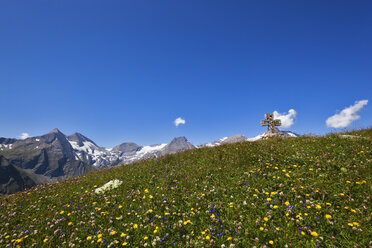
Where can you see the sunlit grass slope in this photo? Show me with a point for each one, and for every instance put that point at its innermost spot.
(295, 192)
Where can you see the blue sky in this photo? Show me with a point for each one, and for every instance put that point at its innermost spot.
(119, 71)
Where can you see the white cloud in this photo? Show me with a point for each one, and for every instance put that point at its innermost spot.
(24, 136)
(179, 121)
(346, 116)
(286, 119)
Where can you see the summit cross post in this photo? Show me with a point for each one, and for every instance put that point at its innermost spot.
(271, 123)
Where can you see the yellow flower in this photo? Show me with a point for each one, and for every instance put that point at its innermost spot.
(229, 238)
(315, 234)
(145, 238)
(261, 228)
(125, 243)
(355, 223)
(7, 236)
(207, 238)
(135, 226)
(99, 235)
(328, 204)
(122, 235)
(151, 196)
(70, 223)
(318, 206)
(120, 206)
(286, 203)
(328, 216)
(350, 224)
(45, 240)
(61, 212)
(268, 199)
(266, 219)
(99, 240)
(271, 242)
(146, 191)
(303, 233)
(275, 207)
(89, 238)
(113, 233)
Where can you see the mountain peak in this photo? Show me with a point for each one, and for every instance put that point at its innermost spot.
(177, 145)
(55, 130)
(126, 147)
(179, 139)
(79, 139)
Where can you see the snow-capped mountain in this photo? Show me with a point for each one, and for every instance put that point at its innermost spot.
(87, 151)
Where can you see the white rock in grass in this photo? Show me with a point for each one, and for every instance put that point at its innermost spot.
(108, 186)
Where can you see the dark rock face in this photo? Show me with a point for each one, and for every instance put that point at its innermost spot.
(128, 147)
(13, 179)
(177, 145)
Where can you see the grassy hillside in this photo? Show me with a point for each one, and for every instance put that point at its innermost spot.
(294, 192)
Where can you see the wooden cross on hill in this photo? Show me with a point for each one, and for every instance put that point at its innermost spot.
(270, 122)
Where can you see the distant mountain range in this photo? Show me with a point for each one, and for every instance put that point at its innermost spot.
(55, 156)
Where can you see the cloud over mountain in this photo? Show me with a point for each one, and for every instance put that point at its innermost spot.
(286, 119)
(346, 116)
(179, 121)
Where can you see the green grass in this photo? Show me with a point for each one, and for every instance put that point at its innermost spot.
(299, 192)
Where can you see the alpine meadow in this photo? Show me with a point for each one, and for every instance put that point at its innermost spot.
(284, 192)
